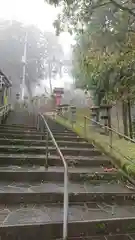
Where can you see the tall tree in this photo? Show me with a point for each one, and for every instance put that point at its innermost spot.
(40, 45)
(104, 54)
(76, 14)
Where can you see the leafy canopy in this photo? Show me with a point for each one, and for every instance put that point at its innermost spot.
(104, 54)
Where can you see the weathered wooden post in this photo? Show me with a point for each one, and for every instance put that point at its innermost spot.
(43, 103)
(58, 110)
(72, 114)
(52, 103)
(105, 116)
(5, 85)
(2, 87)
(36, 104)
(94, 115)
(61, 110)
(65, 108)
(133, 120)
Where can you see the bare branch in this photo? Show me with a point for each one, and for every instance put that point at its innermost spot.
(101, 5)
(123, 8)
(95, 6)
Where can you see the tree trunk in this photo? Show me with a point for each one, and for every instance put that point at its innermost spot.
(98, 102)
(124, 113)
(117, 116)
(129, 118)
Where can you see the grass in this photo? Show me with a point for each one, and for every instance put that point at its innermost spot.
(122, 151)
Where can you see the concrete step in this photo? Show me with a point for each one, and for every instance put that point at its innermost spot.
(17, 127)
(21, 136)
(64, 133)
(68, 138)
(126, 236)
(52, 192)
(19, 131)
(56, 126)
(35, 173)
(30, 131)
(46, 220)
(38, 135)
(53, 160)
(21, 118)
(37, 142)
(36, 221)
(31, 197)
(52, 150)
(33, 130)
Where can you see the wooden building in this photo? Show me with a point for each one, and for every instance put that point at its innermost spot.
(5, 89)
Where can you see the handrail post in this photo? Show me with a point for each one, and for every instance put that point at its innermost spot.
(65, 215)
(37, 122)
(110, 139)
(84, 126)
(47, 150)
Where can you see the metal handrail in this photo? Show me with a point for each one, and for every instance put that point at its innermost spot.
(49, 132)
(110, 129)
(4, 109)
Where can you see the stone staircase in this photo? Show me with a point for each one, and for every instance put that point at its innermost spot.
(31, 197)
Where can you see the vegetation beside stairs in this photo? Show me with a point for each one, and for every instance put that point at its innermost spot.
(122, 153)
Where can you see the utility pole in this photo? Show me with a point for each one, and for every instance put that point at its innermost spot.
(24, 64)
(50, 75)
